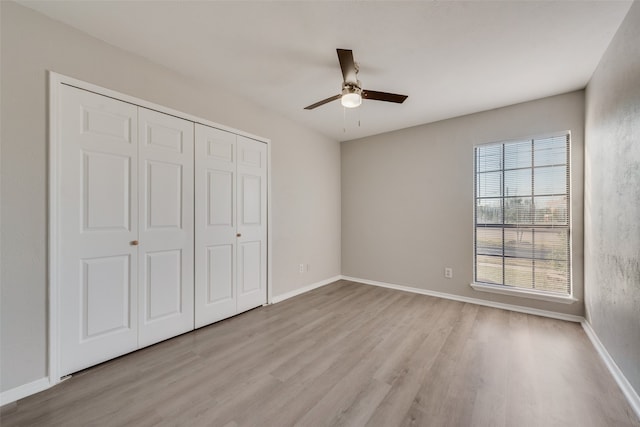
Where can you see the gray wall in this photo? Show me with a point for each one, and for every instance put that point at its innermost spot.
(407, 197)
(305, 171)
(612, 198)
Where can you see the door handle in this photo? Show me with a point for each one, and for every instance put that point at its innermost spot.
(134, 243)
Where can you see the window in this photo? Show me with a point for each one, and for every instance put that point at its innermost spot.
(522, 215)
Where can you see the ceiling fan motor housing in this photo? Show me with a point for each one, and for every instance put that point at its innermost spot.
(352, 88)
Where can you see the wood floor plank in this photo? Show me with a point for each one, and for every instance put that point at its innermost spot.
(347, 354)
(413, 371)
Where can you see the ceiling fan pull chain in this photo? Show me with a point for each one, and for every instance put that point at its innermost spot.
(344, 119)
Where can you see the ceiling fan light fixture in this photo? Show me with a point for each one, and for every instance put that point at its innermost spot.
(351, 95)
(351, 100)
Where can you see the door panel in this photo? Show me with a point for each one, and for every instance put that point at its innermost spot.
(252, 224)
(215, 257)
(163, 136)
(220, 198)
(164, 195)
(250, 266)
(112, 124)
(106, 286)
(220, 274)
(102, 213)
(98, 212)
(252, 155)
(166, 226)
(251, 199)
(164, 284)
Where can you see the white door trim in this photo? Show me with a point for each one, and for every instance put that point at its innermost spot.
(55, 82)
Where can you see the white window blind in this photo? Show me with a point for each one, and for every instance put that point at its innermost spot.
(522, 214)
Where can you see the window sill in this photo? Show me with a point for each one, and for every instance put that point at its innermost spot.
(500, 289)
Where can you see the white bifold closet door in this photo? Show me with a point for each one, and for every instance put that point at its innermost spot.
(231, 224)
(98, 209)
(125, 228)
(165, 185)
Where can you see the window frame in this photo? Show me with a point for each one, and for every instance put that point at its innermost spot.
(567, 298)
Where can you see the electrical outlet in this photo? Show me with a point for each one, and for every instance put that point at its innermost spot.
(448, 272)
(301, 268)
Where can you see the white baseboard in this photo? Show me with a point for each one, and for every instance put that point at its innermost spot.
(616, 373)
(511, 307)
(24, 390)
(296, 292)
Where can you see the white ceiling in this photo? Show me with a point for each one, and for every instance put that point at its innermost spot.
(451, 58)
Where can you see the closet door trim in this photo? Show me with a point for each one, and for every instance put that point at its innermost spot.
(56, 81)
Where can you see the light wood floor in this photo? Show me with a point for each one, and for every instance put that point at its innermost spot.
(353, 355)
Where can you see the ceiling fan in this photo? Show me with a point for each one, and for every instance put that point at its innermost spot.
(352, 92)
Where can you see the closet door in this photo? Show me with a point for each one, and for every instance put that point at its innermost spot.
(231, 224)
(252, 223)
(166, 226)
(215, 187)
(97, 225)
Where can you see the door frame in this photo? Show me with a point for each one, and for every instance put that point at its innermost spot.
(55, 81)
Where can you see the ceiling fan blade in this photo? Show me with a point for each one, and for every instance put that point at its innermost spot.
(383, 96)
(348, 66)
(324, 101)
